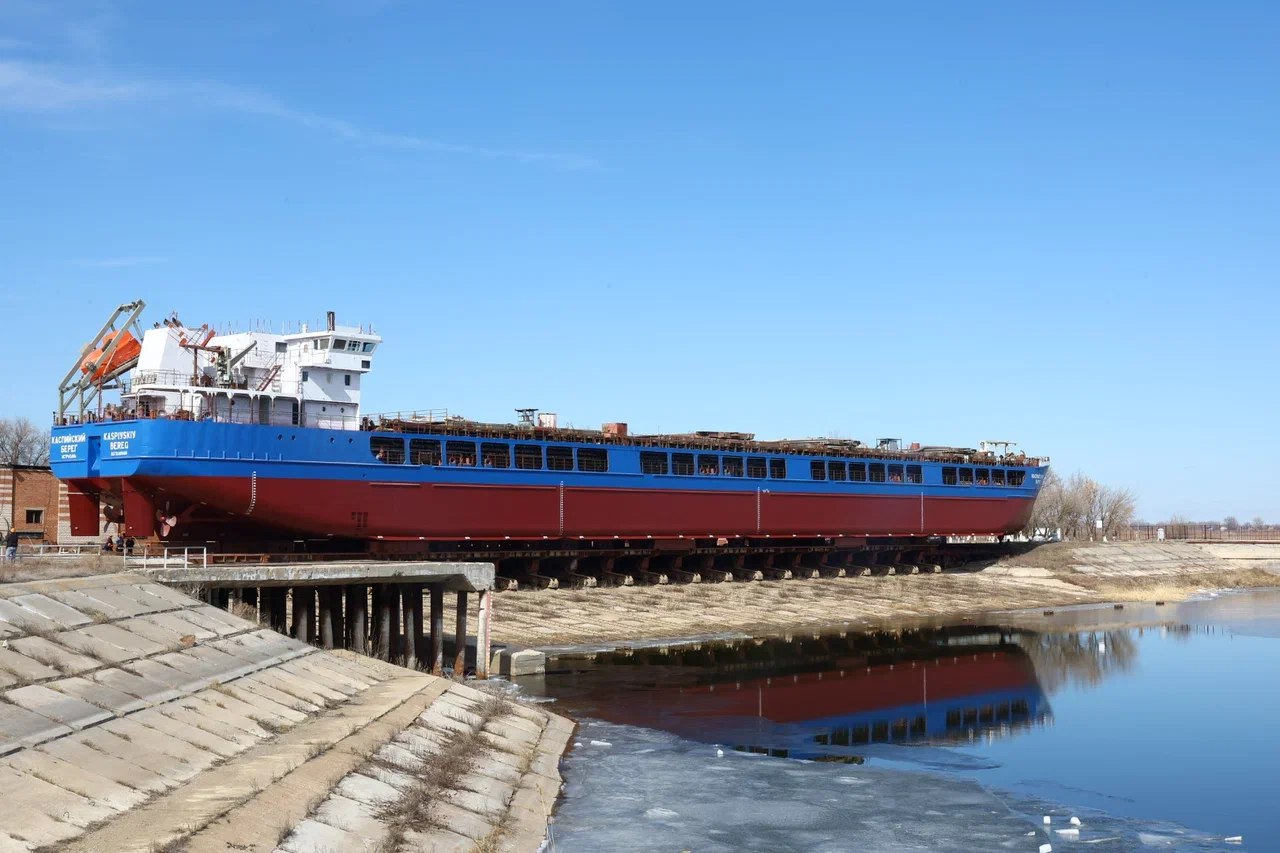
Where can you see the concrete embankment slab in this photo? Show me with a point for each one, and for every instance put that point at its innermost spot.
(133, 717)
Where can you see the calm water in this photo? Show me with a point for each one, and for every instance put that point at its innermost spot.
(1156, 727)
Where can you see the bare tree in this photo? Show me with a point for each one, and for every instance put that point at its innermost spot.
(1231, 523)
(23, 443)
(1259, 523)
(1114, 509)
(1077, 505)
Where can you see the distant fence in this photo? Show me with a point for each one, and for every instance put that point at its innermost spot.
(1179, 531)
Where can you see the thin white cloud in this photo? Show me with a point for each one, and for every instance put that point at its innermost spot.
(115, 263)
(27, 87)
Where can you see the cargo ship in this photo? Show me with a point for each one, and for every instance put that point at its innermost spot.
(257, 440)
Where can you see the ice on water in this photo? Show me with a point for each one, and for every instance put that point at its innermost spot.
(653, 791)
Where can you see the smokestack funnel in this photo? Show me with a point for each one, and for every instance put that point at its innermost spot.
(333, 320)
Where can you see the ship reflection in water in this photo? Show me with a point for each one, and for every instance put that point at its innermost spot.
(839, 698)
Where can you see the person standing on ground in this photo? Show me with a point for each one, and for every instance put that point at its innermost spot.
(11, 546)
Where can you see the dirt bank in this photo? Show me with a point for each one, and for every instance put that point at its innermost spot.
(1052, 575)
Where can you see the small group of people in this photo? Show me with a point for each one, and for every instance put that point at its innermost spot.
(467, 461)
(709, 471)
(118, 545)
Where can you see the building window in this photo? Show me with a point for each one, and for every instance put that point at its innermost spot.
(494, 455)
(529, 456)
(876, 470)
(461, 453)
(389, 451)
(777, 469)
(593, 459)
(652, 462)
(365, 363)
(997, 476)
(915, 474)
(966, 476)
(709, 465)
(35, 516)
(837, 471)
(895, 474)
(858, 472)
(424, 451)
(560, 458)
(305, 375)
(346, 379)
(948, 476)
(756, 468)
(339, 343)
(818, 469)
(733, 466)
(1016, 477)
(682, 463)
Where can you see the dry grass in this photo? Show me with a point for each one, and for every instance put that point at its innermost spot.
(1173, 587)
(1054, 556)
(48, 568)
(247, 612)
(437, 775)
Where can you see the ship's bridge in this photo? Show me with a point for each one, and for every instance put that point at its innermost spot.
(306, 378)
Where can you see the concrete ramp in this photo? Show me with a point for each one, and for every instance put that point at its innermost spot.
(135, 718)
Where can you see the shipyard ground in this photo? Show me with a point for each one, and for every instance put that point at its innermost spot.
(136, 718)
(1055, 575)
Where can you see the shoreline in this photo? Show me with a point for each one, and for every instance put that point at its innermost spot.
(575, 623)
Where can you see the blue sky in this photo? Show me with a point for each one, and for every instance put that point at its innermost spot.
(945, 222)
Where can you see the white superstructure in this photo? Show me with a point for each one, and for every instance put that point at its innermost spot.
(310, 378)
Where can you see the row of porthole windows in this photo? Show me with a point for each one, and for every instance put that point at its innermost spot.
(865, 472)
(982, 477)
(492, 454)
(711, 465)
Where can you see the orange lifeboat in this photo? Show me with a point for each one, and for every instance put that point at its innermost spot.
(126, 351)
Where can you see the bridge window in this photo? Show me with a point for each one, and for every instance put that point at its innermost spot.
(948, 476)
(387, 450)
(858, 472)
(756, 468)
(837, 470)
(529, 456)
(461, 453)
(983, 476)
(709, 465)
(593, 459)
(560, 458)
(1016, 477)
(966, 476)
(914, 474)
(682, 463)
(877, 472)
(818, 469)
(733, 466)
(778, 469)
(340, 343)
(997, 476)
(368, 347)
(494, 455)
(895, 474)
(652, 462)
(424, 451)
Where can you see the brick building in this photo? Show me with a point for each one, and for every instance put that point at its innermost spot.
(34, 502)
